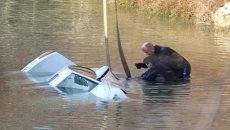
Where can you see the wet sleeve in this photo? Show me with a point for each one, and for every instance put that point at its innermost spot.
(150, 74)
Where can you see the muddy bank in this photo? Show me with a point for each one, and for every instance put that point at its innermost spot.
(198, 11)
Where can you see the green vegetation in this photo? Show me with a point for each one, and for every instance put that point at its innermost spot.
(192, 10)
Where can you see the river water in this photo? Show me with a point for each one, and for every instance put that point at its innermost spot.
(75, 29)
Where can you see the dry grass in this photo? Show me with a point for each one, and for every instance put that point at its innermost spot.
(198, 10)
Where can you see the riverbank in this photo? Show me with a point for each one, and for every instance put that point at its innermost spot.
(199, 11)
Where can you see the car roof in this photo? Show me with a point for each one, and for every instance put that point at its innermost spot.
(83, 70)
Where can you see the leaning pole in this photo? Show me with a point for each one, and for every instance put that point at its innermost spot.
(106, 37)
(121, 53)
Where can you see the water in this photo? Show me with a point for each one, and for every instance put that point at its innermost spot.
(75, 29)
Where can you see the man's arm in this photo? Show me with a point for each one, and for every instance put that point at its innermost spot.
(150, 74)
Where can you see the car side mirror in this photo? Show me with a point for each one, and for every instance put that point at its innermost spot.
(101, 72)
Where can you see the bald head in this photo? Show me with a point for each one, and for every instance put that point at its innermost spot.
(148, 48)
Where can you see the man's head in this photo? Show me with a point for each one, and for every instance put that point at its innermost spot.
(148, 48)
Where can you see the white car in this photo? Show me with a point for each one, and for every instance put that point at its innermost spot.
(69, 78)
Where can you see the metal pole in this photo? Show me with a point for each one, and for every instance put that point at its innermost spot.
(106, 36)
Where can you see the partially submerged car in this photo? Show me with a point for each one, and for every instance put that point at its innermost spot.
(69, 78)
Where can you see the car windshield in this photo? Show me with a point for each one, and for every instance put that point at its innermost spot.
(83, 70)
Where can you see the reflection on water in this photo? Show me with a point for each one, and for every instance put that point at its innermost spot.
(75, 29)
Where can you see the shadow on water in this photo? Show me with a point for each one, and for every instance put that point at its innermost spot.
(164, 93)
(155, 92)
(158, 104)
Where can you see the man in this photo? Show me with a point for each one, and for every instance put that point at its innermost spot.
(156, 70)
(168, 58)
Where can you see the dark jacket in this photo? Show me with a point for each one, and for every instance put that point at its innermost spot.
(170, 58)
(159, 73)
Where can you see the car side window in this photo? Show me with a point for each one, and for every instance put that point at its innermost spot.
(80, 80)
(75, 84)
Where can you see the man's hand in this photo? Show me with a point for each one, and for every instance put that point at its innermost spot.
(140, 65)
